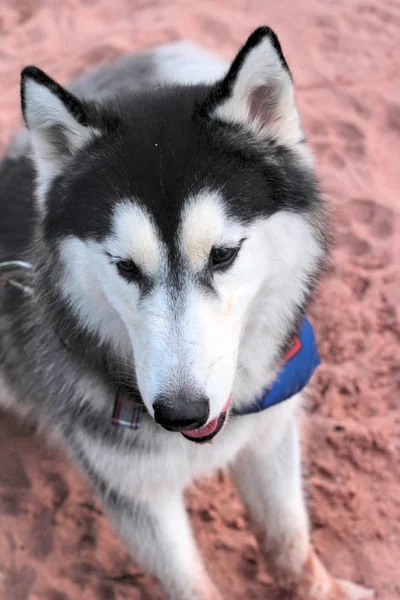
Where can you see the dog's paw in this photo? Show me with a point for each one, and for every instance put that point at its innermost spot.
(315, 583)
(352, 591)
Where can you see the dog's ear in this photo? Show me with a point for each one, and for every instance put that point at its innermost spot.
(58, 123)
(257, 91)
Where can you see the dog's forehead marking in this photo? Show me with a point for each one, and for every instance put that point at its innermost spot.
(203, 223)
(135, 236)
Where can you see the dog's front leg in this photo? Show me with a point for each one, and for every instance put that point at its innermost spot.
(158, 534)
(269, 482)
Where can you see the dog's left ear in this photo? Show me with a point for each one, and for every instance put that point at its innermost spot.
(258, 91)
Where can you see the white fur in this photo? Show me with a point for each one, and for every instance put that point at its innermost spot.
(135, 236)
(43, 111)
(263, 73)
(264, 454)
(186, 62)
(180, 461)
(289, 253)
(179, 567)
(268, 477)
(183, 338)
(19, 145)
(87, 271)
(203, 225)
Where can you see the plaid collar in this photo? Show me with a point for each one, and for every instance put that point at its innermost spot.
(299, 364)
(127, 412)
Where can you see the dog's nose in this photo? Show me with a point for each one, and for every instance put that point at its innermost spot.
(181, 413)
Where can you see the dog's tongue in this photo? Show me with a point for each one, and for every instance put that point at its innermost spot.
(203, 431)
(209, 428)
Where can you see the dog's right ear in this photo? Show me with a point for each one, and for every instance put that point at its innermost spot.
(58, 123)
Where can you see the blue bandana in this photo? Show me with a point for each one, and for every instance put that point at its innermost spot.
(299, 365)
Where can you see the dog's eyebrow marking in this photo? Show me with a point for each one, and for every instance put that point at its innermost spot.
(135, 236)
(202, 224)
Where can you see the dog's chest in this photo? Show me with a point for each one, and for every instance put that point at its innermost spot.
(164, 461)
(167, 460)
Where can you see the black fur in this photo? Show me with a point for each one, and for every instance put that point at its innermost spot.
(17, 209)
(158, 152)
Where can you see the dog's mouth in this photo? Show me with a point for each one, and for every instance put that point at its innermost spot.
(208, 432)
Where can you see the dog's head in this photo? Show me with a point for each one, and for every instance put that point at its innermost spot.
(185, 228)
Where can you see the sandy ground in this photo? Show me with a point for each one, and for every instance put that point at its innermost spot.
(55, 542)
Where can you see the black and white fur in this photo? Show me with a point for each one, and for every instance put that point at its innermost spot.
(143, 169)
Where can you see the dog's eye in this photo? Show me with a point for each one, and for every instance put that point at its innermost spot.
(128, 270)
(223, 257)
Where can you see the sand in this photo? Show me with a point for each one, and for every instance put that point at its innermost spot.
(55, 541)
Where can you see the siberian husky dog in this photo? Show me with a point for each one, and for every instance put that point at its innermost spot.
(170, 211)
